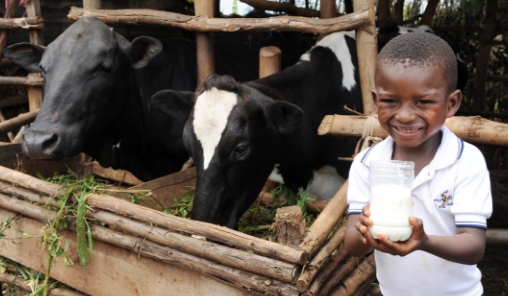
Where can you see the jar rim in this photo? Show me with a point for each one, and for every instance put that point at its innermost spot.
(392, 164)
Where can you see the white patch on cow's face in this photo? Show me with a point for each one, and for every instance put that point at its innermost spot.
(211, 114)
(337, 43)
(326, 183)
(276, 176)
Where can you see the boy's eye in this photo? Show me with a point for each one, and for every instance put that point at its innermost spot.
(425, 102)
(388, 101)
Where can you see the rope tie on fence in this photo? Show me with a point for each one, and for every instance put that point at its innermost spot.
(368, 139)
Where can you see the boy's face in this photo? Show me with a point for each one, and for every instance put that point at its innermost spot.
(413, 103)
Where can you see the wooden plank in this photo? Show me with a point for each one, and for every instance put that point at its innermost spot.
(11, 157)
(166, 189)
(111, 270)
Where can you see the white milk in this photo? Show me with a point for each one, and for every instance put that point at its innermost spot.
(390, 208)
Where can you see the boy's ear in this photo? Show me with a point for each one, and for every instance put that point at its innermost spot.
(374, 98)
(454, 100)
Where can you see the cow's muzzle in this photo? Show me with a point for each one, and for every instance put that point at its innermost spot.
(38, 145)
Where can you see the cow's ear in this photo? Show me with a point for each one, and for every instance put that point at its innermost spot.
(26, 55)
(177, 104)
(142, 50)
(283, 117)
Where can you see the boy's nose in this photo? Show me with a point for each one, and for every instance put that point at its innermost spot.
(405, 114)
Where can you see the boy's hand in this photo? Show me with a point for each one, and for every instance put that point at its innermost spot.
(415, 242)
(363, 223)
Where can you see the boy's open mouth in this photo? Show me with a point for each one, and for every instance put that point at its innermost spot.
(406, 130)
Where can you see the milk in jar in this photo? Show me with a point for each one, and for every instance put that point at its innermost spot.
(390, 204)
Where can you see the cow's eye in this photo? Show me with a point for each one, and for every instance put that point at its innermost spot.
(105, 68)
(240, 151)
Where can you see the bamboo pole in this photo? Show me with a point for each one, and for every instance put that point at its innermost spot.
(366, 47)
(16, 122)
(269, 61)
(471, 129)
(143, 247)
(364, 272)
(215, 232)
(325, 272)
(287, 7)
(204, 42)
(312, 268)
(23, 23)
(28, 81)
(205, 24)
(240, 259)
(325, 222)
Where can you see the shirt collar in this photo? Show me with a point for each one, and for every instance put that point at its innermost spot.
(449, 151)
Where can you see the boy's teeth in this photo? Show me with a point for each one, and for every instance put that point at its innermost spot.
(407, 130)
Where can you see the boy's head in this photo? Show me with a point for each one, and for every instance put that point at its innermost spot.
(421, 50)
(416, 77)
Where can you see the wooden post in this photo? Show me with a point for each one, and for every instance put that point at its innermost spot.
(399, 12)
(366, 40)
(33, 9)
(289, 226)
(383, 13)
(430, 10)
(205, 42)
(269, 61)
(92, 4)
(328, 9)
(489, 32)
(4, 34)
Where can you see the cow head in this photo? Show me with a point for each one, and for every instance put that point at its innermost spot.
(86, 84)
(233, 135)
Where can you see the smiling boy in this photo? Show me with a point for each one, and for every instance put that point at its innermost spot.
(416, 77)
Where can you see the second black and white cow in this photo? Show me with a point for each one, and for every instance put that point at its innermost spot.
(98, 87)
(238, 132)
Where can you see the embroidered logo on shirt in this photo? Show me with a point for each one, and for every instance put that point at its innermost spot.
(445, 200)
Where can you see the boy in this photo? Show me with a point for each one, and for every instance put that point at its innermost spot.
(416, 77)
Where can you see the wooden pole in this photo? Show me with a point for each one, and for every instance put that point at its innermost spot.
(16, 122)
(430, 10)
(33, 9)
(362, 274)
(204, 42)
(28, 81)
(366, 47)
(2, 119)
(471, 129)
(269, 61)
(483, 56)
(327, 9)
(325, 222)
(346, 268)
(13, 101)
(383, 13)
(205, 24)
(4, 34)
(399, 12)
(118, 206)
(92, 4)
(497, 236)
(320, 259)
(325, 272)
(23, 23)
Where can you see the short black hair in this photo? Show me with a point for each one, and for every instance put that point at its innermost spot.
(420, 49)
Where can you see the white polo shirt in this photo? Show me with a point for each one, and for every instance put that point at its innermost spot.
(452, 191)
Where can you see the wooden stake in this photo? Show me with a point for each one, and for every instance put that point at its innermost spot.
(289, 226)
(204, 42)
(205, 24)
(471, 129)
(269, 61)
(366, 47)
(325, 222)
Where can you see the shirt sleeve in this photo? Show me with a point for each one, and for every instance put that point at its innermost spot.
(358, 193)
(472, 204)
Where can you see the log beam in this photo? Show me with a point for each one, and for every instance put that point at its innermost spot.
(286, 7)
(205, 24)
(23, 23)
(16, 122)
(471, 129)
(27, 81)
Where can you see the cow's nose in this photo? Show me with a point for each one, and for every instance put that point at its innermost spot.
(39, 146)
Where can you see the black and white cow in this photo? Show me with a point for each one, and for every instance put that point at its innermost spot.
(98, 87)
(238, 132)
